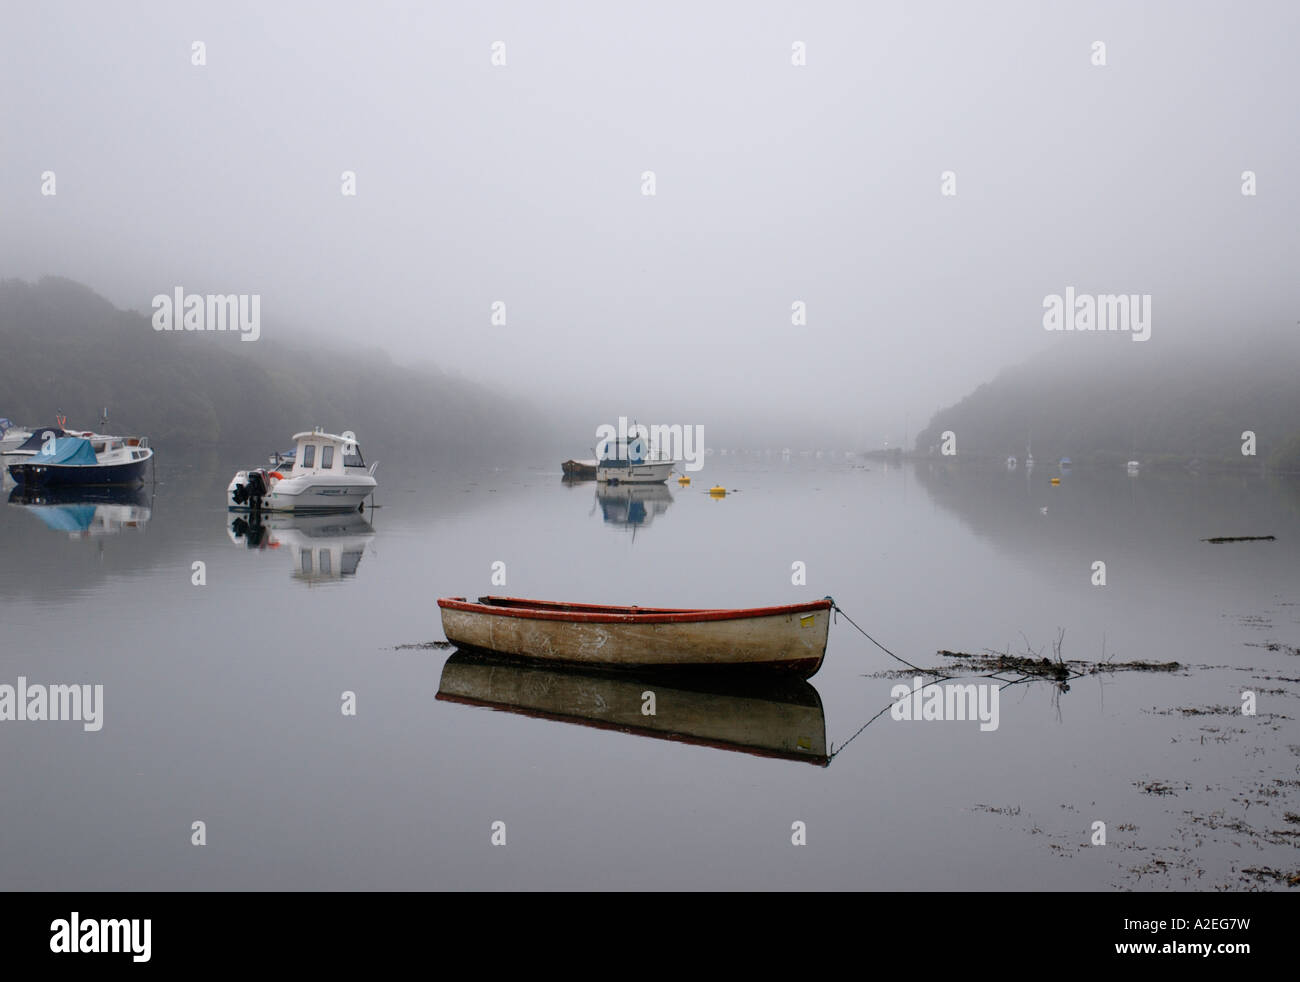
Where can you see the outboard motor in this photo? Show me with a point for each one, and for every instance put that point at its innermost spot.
(253, 490)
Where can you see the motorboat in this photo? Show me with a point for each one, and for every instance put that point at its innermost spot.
(328, 474)
(90, 460)
(631, 461)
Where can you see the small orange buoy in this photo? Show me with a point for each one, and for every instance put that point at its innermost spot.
(718, 491)
(683, 480)
(1056, 480)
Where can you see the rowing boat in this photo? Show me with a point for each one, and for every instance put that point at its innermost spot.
(789, 638)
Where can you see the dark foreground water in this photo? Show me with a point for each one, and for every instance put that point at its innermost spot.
(223, 702)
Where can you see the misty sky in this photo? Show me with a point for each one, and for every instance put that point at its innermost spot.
(478, 183)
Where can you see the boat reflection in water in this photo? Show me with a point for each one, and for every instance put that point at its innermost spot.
(85, 513)
(322, 548)
(779, 718)
(632, 505)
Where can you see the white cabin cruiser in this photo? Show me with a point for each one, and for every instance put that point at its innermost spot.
(328, 474)
(632, 462)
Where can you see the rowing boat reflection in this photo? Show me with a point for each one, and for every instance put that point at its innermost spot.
(773, 718)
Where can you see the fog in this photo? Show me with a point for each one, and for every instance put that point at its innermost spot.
(774, 184)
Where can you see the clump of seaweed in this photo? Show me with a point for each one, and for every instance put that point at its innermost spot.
(1274, 646)
(1157, 788)
(1241, 538)
(1033, 663)
(1266, 873)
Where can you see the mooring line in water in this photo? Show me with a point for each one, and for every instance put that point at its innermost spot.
(836, 751)
(836, 608)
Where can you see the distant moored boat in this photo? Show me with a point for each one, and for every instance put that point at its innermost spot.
(632, 462)
(76, 461)
(579, 469)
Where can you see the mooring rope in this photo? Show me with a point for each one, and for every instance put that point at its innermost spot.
(835, 751)
(837, 609)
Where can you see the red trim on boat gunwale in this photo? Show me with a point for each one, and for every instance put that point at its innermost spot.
(549, 610)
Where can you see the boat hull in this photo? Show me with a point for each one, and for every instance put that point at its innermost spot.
(79, 475)
(656, 473)
(789, 639)
(309, 495)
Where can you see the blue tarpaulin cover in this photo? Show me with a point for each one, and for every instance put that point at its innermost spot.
(69, 450)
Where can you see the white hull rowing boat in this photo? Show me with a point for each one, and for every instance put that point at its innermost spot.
(786, 639)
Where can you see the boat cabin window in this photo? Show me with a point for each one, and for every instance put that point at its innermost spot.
(309, 455)
(327, 458)
(352, 456)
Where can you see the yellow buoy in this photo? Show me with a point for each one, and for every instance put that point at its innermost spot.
(683, 480)
(1056, 480)
(718, 491)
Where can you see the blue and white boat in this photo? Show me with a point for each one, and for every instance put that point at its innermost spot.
(78, 461)
(632, 462)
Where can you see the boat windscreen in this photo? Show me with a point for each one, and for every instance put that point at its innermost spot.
(352, 456)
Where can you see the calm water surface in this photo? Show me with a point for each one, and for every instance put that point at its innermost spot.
(222, 702)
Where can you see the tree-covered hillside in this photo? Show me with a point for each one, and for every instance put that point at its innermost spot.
(63, 347)
(1109, 399)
